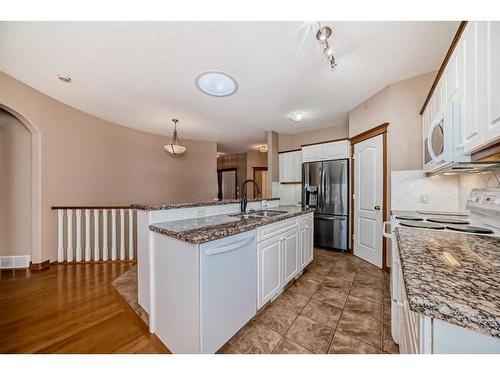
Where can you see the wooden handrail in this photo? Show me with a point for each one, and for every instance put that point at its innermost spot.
(90, 207)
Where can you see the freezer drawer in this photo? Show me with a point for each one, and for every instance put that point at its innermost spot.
(331, 231)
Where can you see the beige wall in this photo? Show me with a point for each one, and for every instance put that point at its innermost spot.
(89, 161)
(398, 104)
(15, 186)
(295, 141)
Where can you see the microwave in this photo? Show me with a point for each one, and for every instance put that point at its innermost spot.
(442, 147)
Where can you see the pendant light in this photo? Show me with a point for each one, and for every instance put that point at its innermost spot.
(175, 147)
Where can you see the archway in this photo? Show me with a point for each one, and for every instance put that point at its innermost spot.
(36, 246)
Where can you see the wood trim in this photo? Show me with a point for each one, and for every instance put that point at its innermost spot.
(291, 182)
(373, 132)
(88, 207)
(488, 154)
(453, 45)
(384, 187)
(40, 266)
(331, 140)
(284, 152)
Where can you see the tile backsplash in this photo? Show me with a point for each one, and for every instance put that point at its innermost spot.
(412, 190)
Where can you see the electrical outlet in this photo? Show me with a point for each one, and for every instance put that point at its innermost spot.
(424, 198)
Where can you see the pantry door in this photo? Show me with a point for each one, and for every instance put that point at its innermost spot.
(368, 199)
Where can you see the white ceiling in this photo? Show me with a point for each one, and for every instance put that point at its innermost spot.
(141, 74)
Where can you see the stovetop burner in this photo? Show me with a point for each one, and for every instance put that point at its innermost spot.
(469, 229)
(418, 224)
(409, 217)
(444, 220)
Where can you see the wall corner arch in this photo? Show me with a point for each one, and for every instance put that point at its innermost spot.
(36, 184)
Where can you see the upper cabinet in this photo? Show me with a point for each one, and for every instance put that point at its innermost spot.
(326, 151)
(471, 78)
(290, 166)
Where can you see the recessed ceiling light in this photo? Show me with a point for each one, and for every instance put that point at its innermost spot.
(296, 116)
(64, 78)
(216, 83)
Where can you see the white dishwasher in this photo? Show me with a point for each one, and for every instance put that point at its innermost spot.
(228, 286)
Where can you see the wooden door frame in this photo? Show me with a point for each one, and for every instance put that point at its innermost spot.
(374, 132)
(219, 181)
(255, 169)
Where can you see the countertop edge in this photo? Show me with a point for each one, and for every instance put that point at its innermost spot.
(170, 206)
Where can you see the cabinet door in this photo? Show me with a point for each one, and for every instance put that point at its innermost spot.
(291, 255)
(471, 134)
(269, 269)
(336, 150)
(290, 166)
(451, 78)
(312, 153)
(306, 243)
(281, 158)
(298, 166)
(492, 81)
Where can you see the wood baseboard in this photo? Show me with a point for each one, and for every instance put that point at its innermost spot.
(43, 266)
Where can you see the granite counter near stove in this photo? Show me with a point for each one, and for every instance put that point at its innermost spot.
(453, 277)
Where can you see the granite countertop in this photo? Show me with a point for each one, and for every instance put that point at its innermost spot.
(168, 206)
(210, 228)
(452, 277)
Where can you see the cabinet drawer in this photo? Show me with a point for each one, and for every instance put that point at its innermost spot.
(272, 230)
(306, 218)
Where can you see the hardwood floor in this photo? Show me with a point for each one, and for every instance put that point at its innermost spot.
(70, 309)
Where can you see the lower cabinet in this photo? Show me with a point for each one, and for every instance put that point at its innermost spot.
(282, 255)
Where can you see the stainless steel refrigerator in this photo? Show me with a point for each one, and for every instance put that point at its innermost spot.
(325, 187)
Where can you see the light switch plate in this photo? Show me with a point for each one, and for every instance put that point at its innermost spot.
(424, 198)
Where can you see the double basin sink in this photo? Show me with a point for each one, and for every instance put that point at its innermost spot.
(258, 214)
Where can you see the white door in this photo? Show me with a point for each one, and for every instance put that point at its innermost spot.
(368, 185)
(228, 185)
(291, 247)
(269, 269)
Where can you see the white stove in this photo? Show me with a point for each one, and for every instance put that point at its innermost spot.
(483, 217)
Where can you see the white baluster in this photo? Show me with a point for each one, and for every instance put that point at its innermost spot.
(60, 235)
(69, 251)
(113, 234)
(122, 234)
(78, 235)
(87, 235)
(130, 234)
(104, 234)
(96, 235)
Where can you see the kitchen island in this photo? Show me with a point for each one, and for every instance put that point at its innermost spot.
(209, 275)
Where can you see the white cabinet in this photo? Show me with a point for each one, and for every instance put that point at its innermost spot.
(471, 135)
(326, 151)
(269, 270)
(283, 250)
(291, 254)
(306, 240)
(290, 166)
(492, 81)
(313, 153)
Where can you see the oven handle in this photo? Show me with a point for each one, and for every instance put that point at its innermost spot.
(384, 232)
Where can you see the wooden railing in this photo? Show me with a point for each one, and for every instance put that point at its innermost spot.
(92, 242)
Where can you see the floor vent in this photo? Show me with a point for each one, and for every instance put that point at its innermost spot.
(15, 261)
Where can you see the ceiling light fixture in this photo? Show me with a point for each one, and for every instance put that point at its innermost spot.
(322, 36)
(175, 147)
(263, 148)
(64, 78)
(296, 116)
(216, 83)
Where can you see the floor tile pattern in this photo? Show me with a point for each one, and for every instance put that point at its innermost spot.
(340, 305)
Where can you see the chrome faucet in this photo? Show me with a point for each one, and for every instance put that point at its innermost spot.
(243, 190)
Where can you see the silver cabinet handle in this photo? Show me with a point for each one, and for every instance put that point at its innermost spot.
(231, 247)
(384, 232)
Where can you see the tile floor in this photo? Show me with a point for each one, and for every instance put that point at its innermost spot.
(340, 305)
